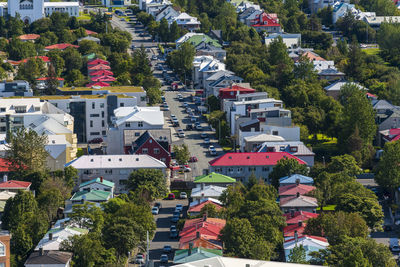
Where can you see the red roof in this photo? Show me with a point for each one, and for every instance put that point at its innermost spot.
(215, 221)
(252, 159)
(99, 67)
(323, 239)
(98, 61)
(200, 242)
(89, 32)
(6, 165)
(101, 73)
(44, 58)
(237, 88)
(104, 78)
(60, 46)
(266, 20)
(13, 184)
(198, 207)
(47, 78)
(293, 189)
(291, 229)
(299, 216)
(371, 95)
(27, 37)
(101, 84)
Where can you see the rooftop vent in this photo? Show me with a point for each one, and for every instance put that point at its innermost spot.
(137, 159)
(120, 159)
(91, 160)
(109, 159)
(248, 157)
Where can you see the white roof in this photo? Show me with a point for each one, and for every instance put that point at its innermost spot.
(208, 191)
(264, 138)
(337, 86)
(221, 261)
(58, 236)
(116, 162)
(150, 115)
(306, 241)
(199, 201)
(61, 4)
(257, 101)
(10, 103)
(4, 195)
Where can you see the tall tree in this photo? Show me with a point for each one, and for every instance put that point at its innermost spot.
(286, 167)
(181, 60)
(27, 150)
(150, 183)
(298, 255)
(163, 30)
(388, 170)
(182, 153)
(52, 82)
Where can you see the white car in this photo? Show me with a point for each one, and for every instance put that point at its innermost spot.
(212, 150)
(207, 141)
(181, 133)
(154, 210)
(183, 195)
(179, 207)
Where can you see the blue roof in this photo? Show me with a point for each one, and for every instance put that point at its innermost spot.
(292, 179)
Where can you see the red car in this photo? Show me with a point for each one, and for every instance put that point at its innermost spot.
(193, 159)
(171, 196)
(97, 140)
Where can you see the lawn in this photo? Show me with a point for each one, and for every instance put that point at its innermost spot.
(372, 51)
(328, 208)
(83, 16)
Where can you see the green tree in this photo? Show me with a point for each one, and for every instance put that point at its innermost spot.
(181, 60)
(286, 167)
(388, 170)
(88, 216)
(213, 103)
(52, 82)
(182, 154)
(75, 78)
(298, 255)
(174, 32)
(73, 60)
(27, 150)
(31, 70)
(163, 30)
(210, 210)
(150, 183)
(344, 164)
(49, 201)
(88, 46)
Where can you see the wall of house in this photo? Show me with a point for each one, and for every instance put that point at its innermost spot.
(242, 173)
(307, 209)
(150, 147)
(5, 240)
(98, 186)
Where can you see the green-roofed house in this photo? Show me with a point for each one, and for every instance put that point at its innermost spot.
(80, 197)
(98, 184)
(195, 254)
(197, 38)
(214, 179)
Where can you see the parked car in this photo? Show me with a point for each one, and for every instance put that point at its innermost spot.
(167, 249)
(154, 57)
(207, 141)
(175, 218)
(193, 159)
(193, 118)
(203, 135)
(181, 133)
(185, 104)
(97, 140)
(173, 234)
(183, 195)
(172, 227)
(171, 196)
(198, 126)
(189, 127)
(164, 258)
(179, 207)
(154, 210)
(187, 169)
(166, 108)
(212, 150)
(394, 244)
(140, 259)
(158, 205)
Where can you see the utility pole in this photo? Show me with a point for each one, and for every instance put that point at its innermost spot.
(147, 249)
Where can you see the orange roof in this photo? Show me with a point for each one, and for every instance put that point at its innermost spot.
(290, 230)
(312, 56)
(200, 242)
(29, 37)
(198, 207)
(60, 46)
(293, 189)
(99, 67)
(89, 32)
(216, 221)
(13, 184)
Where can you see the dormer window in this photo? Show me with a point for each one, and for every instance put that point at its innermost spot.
(293, 149)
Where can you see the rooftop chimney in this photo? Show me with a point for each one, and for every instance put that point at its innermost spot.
(297, 181)
(40, 251)
(292, 213)
(202, 186)
(190, 248)
(5, 178)
(101, 179)
(298, 194)
(295, 236)
(50, 236)
(197, 234)
(300, 223)
(205, 217)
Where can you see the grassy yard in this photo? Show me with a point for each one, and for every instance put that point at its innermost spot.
(328, 208)
(83, 16)
(371, 51)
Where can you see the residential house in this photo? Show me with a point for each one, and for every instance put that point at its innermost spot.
(298, 203)
(61, 47)
(266, 23)
(98, 184)
(55, 236)
(167, 13)
(5, 252)
(341, 8)
(220, 79)
(89, 38)
(6, 165)
(197, 39)
(4, 196)
(194, 210)
(207, 228)
(387, 115)
(227, 104)
(41, 82)
(294, 217)
(114, 168)
(14, 186)
(229, 262)
(334, 89)
(207, 191)
(253, 143)
(294, 189)
(331, 74)
(186, 22)
(214, 179)
(309, 243)
(49, 258)
(15, 88)
(233, 91)
(201, 242)
(203, 68)
(92, 196)
(29, 37)
(296, 148)
(209, 49)
(291, 40)
(158, 148)
(153, 7)
(242, 6)
(390, 135)
(242, 165)
(249, 15)
(195, 254)
(294, 229)
(295, 179)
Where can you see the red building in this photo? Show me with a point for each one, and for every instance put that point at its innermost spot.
(267, 22)
(233, 91)
(147, 144)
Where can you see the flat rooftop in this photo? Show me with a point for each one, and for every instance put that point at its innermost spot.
(112, 89)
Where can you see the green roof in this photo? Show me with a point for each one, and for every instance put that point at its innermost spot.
(214, 178)
(55, 230)
(181, 256)
(112, 89)
(97, 180)
(92, 195)
(197, 39)
(90, 56)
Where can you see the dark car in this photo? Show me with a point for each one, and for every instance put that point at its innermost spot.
(164, 258)
(173, 234)
(387, 228)
(189, 127)
(158, 205)
(175, 218)
(97, 140)
(193, 159)
(167, 249)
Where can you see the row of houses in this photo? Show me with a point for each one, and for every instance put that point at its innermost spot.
(100, 73)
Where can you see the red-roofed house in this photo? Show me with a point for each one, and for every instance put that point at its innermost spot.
(290, 230)
(42, 81)
(98, 67)
(60, 46)
(195, 210)
(207, 230)
(100, 84)
(389, 135)
(200, 241)
(233, 91)
(6, 167)
(198, 221)
(98, 61)
(29, 37)
(14, 186)
(242, 165)
(89, 32)
(266, 22)
(101, 73)
(105, 78)
(294, 217)
(294, 189)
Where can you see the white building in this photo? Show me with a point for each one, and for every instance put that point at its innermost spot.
(291, 40)
(186, 22)
(31, 10)
(114, 168)
(92, 114)
(203, 68)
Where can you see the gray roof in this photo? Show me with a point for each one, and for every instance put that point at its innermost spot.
(302, 150)
(331, 72)
(283, 35)
(51, 257)
(250, 122)
(219, 74)
(382, 104)
(337, 86)
(89, 38)
(131, 136)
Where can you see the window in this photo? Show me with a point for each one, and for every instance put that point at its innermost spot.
(121, 104)
(265, 169)
(137, 133)
(123, 182)
(103, 123)
(230, 169)
(20, 109)
(3, 109)
(3, 129)
(103, 132)
(140, 124)
(2, 250)
(93, 105)
(101, 105)
(275, 133)
(239, 169)
(87, 172)
(2, 119)
(123, 172)
(127, 124)
(218, 170)
(156, 151)
(94, 115)
(252, 169)
(102, 114)
(91, 123)
(109, 171)
(145, 150)
(293, 149)
(94, 133)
